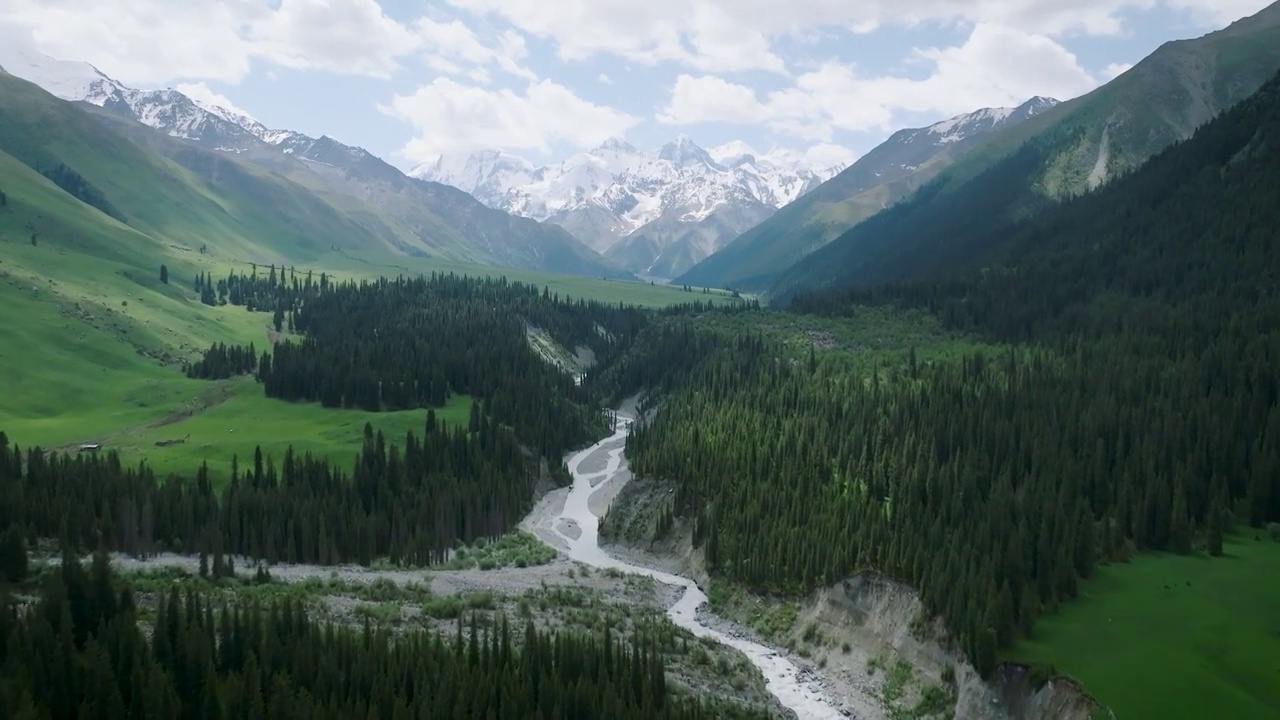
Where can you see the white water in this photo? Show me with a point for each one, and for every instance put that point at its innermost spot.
(781, 676)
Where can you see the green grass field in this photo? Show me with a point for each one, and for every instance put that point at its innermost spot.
(236, 417)
(92, 343)
(1167, 637)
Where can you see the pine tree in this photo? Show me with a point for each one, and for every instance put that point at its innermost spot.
(1180, 523)
(1213, 529)
(13, 555)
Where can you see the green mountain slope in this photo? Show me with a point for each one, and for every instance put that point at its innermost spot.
(1076, 146)
(406, 215)
(1094, 429)
(237, 210)
(907, 160)
(91, 338)
(1158, 297)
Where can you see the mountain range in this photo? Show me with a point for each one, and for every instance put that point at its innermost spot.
(392, 211)
(655, 213)
(895, 168)
(1073, 148)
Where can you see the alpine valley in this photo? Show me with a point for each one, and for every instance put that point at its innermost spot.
(983, 426)
(654, 213)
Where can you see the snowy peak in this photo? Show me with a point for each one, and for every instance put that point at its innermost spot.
(636, 204)
(615, 145)
(167, 110)
(482, 173)
(632, 186)
(963, 127)
(733, 153)
(67, 80)
(684, 151)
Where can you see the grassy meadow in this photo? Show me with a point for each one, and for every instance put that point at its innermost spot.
(1165, 637)
(92, 342)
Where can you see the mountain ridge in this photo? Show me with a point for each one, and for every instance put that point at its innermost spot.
(1077, 147)
(903, 162)
(424, 219)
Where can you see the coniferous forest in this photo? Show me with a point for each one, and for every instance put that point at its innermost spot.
(404, 344)
(78, 652)
(1121, 395)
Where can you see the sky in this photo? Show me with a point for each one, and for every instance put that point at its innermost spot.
(545, 78)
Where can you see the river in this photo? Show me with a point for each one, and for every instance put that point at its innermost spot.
(577, 529)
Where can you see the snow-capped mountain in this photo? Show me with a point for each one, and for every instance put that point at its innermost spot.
(892, 170)
(963, 127)
(657, 212)
(419, 216)
(166, 110)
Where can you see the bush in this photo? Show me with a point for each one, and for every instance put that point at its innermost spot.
(1273, 529)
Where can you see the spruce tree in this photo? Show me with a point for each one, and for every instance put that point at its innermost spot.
(13, 555)
(1213, 529)
(1180, 523)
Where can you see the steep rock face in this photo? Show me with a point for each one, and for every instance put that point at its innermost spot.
(419, 217)
(881, 618)
(895, 168)
(657, 212)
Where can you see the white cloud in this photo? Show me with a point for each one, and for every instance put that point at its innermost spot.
(203, 94)
(711, 99)
(343, 36)
(735, 35)
(139, 41)
(449, 116)
(1220, 12)
(149, 42)
(448, 44)
(1114, 70)
(825, 155)
(604, 79)
(996, 66)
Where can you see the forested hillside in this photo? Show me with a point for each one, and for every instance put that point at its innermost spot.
(402, 344)
(1119, 395)
(1072, 148)
(388, 345)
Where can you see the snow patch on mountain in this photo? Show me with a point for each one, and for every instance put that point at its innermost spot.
(167, 110)
(65, 79)
(614, 191)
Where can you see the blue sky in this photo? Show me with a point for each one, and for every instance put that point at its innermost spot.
(544, 78)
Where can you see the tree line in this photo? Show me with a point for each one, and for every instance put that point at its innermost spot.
(408, 502)
(412, 343)
(81, 652)
(223, 361)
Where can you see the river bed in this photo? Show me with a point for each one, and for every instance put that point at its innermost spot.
(574, 530)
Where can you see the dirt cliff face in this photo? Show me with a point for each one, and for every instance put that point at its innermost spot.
(1057, 699)
(867, 637)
